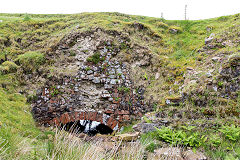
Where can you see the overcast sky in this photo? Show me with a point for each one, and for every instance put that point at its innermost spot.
(171, 9)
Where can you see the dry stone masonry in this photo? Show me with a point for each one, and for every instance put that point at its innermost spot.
(101, 88)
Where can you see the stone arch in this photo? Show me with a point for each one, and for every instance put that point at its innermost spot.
(105, 119)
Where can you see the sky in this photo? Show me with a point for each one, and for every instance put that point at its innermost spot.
(171, 9)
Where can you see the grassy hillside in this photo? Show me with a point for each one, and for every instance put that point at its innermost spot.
(27, 40)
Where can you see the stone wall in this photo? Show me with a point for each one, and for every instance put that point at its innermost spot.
(92, 81)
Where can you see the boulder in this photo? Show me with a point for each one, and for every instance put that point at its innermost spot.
(209, 39)
(168, 153)
(145, 127)
(190, 155)
(128, 136)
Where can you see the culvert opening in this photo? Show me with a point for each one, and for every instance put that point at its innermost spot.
(88, 127)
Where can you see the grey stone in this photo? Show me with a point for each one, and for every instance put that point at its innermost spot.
(82, 76)
(112, 71)
(123, 77)
(91, 77)
(103, 80)
(105, 92)
(108, 80)
(215, 59)
(165, 121)
(96, 80)
(89, 72)
(174, 31)
(110, 99)
(145, 127)
(95, 69)
(157, 75)
(116, 62)
(106, 95)
(117, 66)
(190, 155)
(208, 74)
(103, 75)
(119, 71)
(215, 88)
(113, 81)
(106, 86)
(209, 39)
(112, 76)
(173, 153)
(105, 50)
(78, 63)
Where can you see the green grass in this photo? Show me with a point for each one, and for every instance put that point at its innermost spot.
(18, 132)
(30, 61)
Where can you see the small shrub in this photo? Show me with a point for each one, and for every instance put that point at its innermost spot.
(215, 140)
(220, 84)
(54, 91)
(26, 17)
(180, 137)
(30, 61)
(8, 67)
(95, 58)
(146, 119)
(4, 69)
(72, 53)
(88, 68)
(11, 65)
(125, 89)
(145, 76)
(162, 25)
(231, 132)
(151, 147)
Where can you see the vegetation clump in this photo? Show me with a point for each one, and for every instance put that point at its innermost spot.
(30, 61)
(95, 58)
(162, 25)
(8, 67)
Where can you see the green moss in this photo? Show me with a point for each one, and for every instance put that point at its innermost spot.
(30, 61)
(162, 25)
(12, 67)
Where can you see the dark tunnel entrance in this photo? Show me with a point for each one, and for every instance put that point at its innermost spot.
(88, 127)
